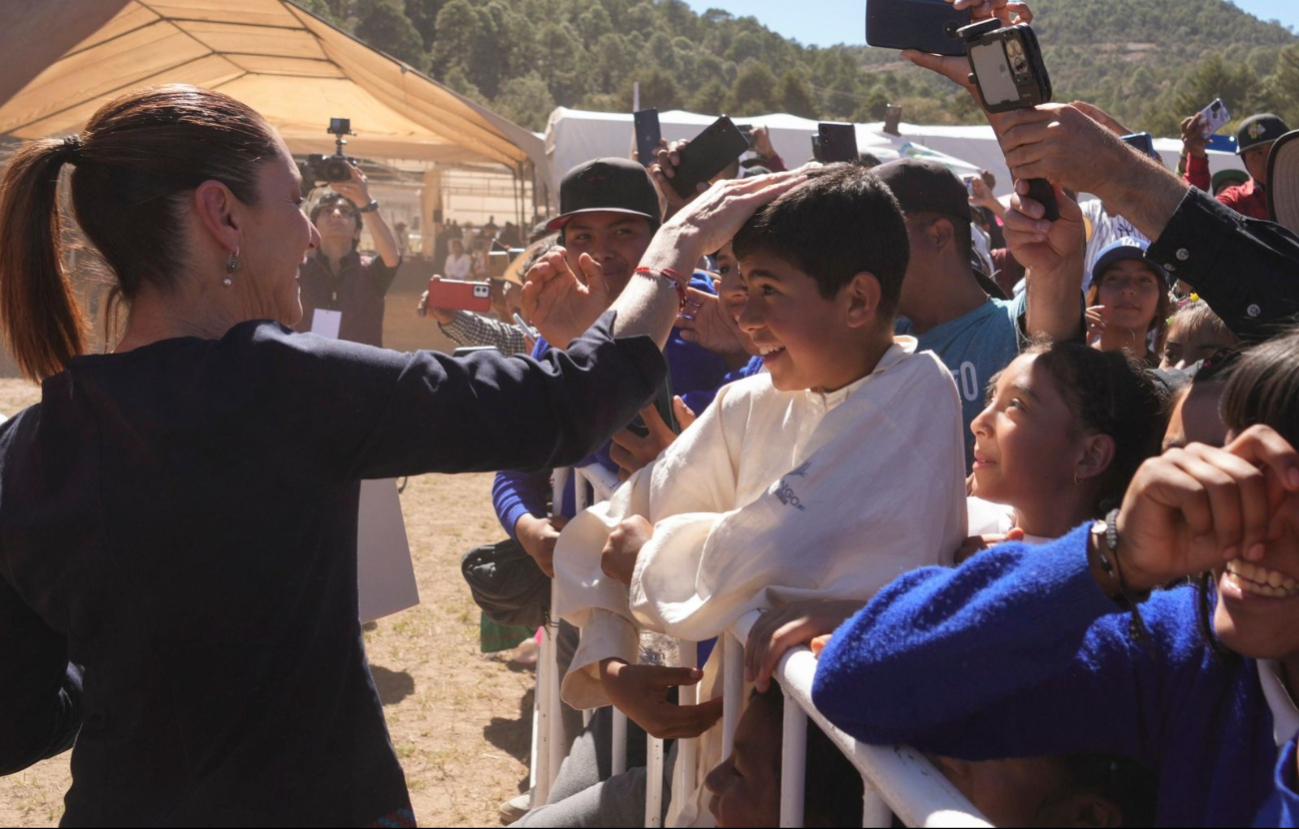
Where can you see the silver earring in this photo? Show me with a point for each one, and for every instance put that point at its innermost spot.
(232, 265)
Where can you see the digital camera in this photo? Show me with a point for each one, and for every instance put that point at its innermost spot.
(330, 169)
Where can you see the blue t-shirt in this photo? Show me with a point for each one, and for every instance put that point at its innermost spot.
(975, 348)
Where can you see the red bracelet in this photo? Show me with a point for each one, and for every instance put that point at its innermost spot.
(678, 281)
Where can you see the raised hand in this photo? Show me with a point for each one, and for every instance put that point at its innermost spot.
(705, 322)
(641, 692)
(664, 169)
(558, 304)
(778, 631)
(1039, 245)
(633, 452)
(1194, 509)
(1194, 141)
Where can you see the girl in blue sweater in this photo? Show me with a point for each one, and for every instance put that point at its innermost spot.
(1029, 651)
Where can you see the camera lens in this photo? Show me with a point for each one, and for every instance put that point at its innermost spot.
(336, 169)
(1020, 65)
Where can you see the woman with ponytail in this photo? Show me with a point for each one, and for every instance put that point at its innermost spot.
(178, 518)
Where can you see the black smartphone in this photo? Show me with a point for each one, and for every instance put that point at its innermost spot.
(1007, 65)
(649, 135)
(707, 154)
(816, 148)
(927, 25)
(838, 142)
(1145, 142)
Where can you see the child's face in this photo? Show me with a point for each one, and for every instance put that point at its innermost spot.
(733, 295)
(805, 340)
(1195, 418)
(746, 786)
(1258, 603)
(1189, 344)
(1130, 293)
(1025, 445)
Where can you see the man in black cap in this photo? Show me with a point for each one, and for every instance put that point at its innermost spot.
(1254, 142)
(943, 304)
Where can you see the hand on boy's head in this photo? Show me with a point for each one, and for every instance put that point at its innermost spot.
(780, 630)
(1194, 509)
(618, 558)
(633, 452)
(641, 692)
(557, 303)
(717, 214)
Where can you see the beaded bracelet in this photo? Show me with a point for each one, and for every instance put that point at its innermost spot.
(1137, 626)
(668, 274)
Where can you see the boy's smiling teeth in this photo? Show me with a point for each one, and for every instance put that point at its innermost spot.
(768, 350)
(1251, 578)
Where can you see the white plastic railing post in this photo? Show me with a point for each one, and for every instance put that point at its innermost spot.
(876, 814)
(793, 765)
(687, 750)
(654, 784)
(541, 746)
(732, 689)
(619, 742)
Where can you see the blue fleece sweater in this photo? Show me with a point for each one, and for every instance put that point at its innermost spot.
(690, 367)
(1283, 809)
(1018, 653)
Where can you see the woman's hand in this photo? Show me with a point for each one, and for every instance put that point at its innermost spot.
(558, 304)
(641, 692)
(778, 631)
(618, 558)
(632, 452)
(1194, 509)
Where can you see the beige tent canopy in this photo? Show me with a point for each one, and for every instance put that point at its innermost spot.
(294, 68)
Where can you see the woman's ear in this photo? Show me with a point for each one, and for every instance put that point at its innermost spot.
(862, 296)
(1097, 456)
(218, 213)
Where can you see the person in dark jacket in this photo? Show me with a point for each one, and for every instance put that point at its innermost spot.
(178, 519)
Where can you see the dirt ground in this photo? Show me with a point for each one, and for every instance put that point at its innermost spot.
(460, 721)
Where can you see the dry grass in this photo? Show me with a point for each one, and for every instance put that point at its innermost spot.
(461, 722)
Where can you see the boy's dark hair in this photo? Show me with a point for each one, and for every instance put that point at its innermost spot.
(1113, 395)
(842, 222)
(832, 785)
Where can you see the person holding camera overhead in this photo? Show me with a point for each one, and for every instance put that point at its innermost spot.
(341, 289)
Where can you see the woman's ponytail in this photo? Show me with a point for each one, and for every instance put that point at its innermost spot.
(42, 323)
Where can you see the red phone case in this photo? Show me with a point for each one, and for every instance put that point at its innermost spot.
(454, 295)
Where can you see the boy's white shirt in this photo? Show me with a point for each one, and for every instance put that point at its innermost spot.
(836, 496)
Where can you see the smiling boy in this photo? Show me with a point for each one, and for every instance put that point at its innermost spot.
(837, 469)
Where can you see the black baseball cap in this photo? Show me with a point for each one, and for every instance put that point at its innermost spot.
(607, 185)
(925, 186)
(1259, 129)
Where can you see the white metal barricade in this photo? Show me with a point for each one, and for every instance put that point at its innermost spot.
(896, 780)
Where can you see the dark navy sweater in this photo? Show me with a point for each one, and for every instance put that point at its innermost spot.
(181, 521)
(1019, 653)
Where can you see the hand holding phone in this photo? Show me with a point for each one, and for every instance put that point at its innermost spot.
(453, 295)
(707, 155)
(1215, 116)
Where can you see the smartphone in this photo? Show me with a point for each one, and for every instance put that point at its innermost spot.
(1216, 115)
(454, 295)
(649, 135)
(707, 154)
(1007, 65)
(816, 148)
(1145, 142)
(838, 142)
(969, 185)
(747, 131)
(927, 25)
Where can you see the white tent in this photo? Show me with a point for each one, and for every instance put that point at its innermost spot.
(292, 67)
(574, 136)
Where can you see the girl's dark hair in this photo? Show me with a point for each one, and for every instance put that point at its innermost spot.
(139, 156)
(1110, 394)
(1263, 389)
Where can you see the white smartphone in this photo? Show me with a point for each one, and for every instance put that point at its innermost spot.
(1215, 115)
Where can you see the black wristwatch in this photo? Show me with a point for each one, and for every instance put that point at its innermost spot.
(370, 208)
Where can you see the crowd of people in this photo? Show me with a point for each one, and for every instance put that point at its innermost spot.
(1029, 489)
